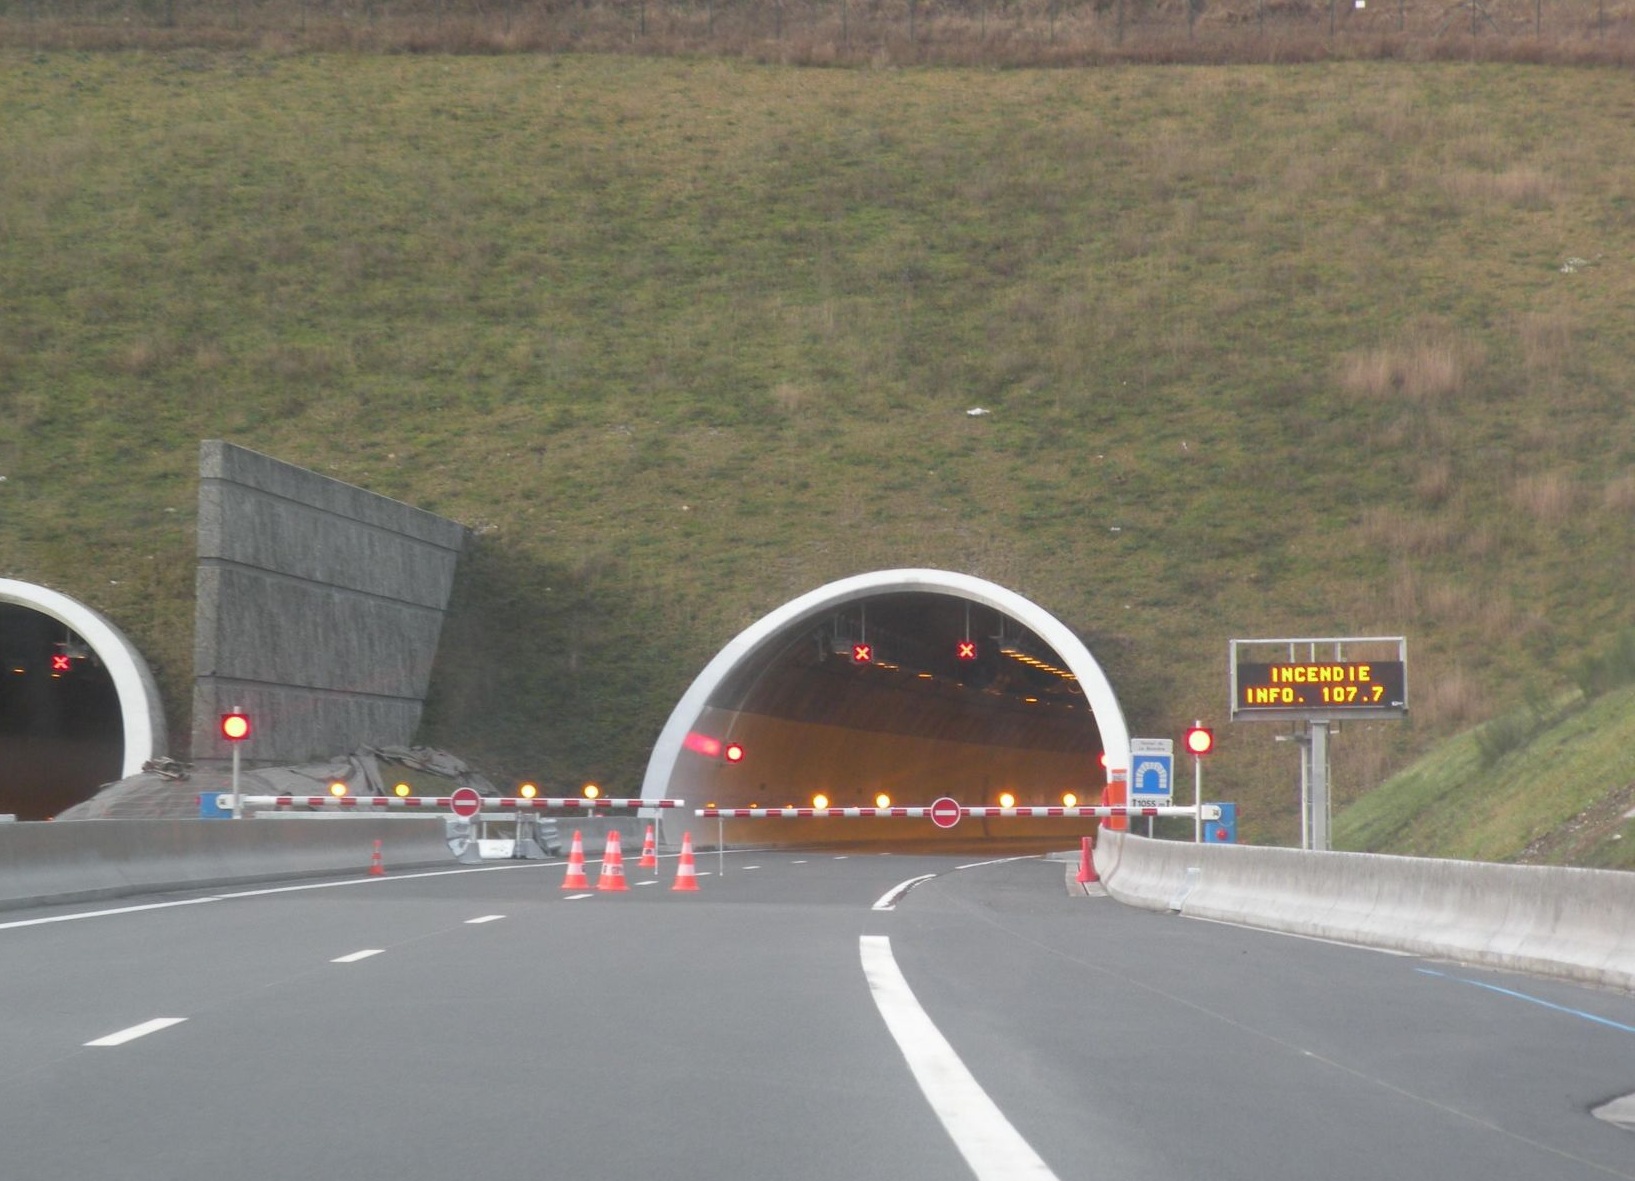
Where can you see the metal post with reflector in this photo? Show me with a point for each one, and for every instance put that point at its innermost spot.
(235, 728)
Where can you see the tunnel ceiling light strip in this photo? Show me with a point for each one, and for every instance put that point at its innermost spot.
(1032, 661)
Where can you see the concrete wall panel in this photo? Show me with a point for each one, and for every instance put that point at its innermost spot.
(319, 609)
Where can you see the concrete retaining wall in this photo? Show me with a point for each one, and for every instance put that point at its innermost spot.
(319, 609)
(83, 860)
(1574, 923)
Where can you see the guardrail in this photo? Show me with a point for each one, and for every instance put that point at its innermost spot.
(1574, 923)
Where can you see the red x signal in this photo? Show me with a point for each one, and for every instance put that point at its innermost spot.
(60, 663)
(862, 653)
(965, 650)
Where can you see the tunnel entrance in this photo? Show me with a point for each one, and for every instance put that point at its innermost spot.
(60, 730)
(78, 704)
(904, 686)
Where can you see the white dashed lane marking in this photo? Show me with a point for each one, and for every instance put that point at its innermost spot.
(136, 1031)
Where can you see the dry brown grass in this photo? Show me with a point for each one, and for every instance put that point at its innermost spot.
(1548, 498)
(1449, 698)
(1423, 370)
(1619, 494)
(1546, 341)
(1522, 187)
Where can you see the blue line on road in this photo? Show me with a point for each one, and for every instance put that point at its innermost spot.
(1522, 996)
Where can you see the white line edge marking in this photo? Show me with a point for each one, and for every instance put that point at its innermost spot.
(576, 897)
(261, 893)
(1409, 955)
(1001, 861)
(357, 955)
(484, 918)
(136, 1031)
(993, 1149)
(888, 900)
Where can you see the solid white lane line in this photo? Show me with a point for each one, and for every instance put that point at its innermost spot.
(999, 861)
(357, 955)
(261, 893)
(888, 900)
(993, 1149)
(97, 914)
(486, 918)
(136, 1031)
(576, 897)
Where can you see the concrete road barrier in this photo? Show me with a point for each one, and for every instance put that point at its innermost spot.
(84, 860)
(1574, 923)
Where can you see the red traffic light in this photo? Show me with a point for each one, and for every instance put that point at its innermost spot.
(235, 727)
(1200, 740)
(61, 662)
(965, 650)
(734, 752)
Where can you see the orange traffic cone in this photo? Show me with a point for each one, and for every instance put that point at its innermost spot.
(576, 865)
(612, 865)
(686, 871)
(650, 854)
(1087, 866)
(376, 868)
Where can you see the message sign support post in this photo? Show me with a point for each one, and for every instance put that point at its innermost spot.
(1316, 753)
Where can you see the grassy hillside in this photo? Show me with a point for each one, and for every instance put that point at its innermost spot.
(1565, 796)
(1318, 350)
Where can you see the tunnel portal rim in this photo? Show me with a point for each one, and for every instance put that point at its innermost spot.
(142, 715)
(746, 645)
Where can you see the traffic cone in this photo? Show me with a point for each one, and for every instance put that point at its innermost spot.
(650, 854)
(686, 871)
(1087, 865)
(576, 865)
(612, 865)
(376, 868)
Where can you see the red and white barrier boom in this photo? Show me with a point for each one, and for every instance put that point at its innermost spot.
(1210, 812)
(446, 803)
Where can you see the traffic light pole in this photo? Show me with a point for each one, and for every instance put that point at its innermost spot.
(1197, 799)
(238, 806)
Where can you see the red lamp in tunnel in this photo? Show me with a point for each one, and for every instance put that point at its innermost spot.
(733, 753)
(965, 650)
(862, 653)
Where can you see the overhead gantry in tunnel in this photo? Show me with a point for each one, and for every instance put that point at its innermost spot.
(904, 686)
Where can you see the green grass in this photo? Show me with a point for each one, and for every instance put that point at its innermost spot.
(1268, 352)
(1568, 795)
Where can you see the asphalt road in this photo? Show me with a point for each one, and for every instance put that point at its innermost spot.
(775, 1025)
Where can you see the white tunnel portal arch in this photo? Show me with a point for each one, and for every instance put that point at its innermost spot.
(141, 715)
(750, 642)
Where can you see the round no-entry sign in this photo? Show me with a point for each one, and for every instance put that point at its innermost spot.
(465, 802)
(945, 812)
